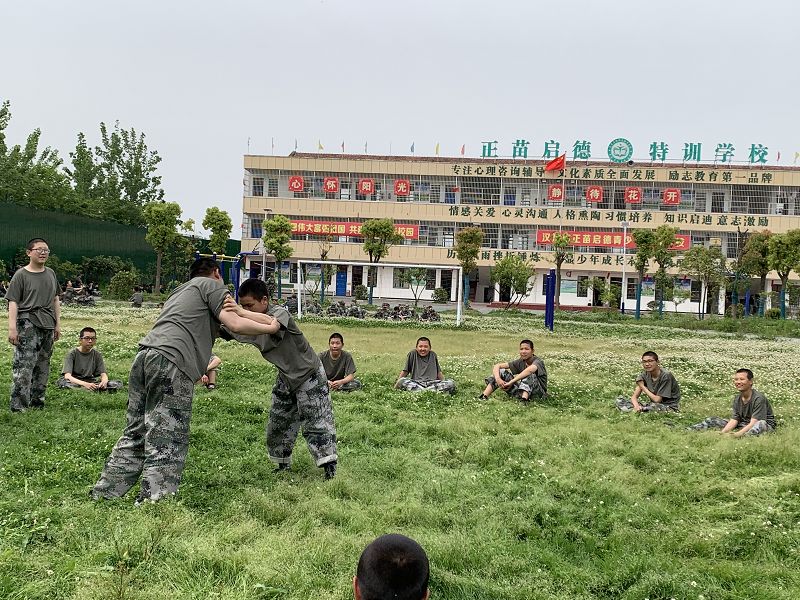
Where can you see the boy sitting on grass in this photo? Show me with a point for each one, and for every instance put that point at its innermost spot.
(340, 368)
(523, 378)
(84, 365)
(657, 384)
(422, 372)
(751, 413)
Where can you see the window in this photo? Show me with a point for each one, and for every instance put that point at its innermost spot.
(430, 282)
(397, 278)
(258, 186)
(510, 196)
(449, 197)
(630, 293)
(583, 286)
(717, 202)
(372, 277)
(697, 287)
(272, 188)
(447, 280)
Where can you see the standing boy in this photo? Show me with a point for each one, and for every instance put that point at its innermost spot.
(300, 396)
(751, 413)
(84, 365)
(525, 377)
(340, 368)
(422, 372)
(171, 358)
(34, 323)
(658, 385)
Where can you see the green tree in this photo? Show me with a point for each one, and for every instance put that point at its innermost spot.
(163, 220)
(416, 278)
(219, 223)
(708, 266)
(468, 247)
(277, 241)
(101, 269)
(784, 255)
(122, 284)
(645, 245)
(562, 251)
(663, 240)
(515, 274)
(379, 235)
(755, 262)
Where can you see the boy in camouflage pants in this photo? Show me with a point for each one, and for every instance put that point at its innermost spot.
(422, 372)
(300, 396)
(171, 358)
(34, 324)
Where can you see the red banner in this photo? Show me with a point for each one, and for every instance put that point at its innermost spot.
(633, 195)
(310, 227)
(401, 187)
(366, 187)
(555, 192)
(672, 196)
(604, 239)
(296, 183)
(331, 185)
(594, 193)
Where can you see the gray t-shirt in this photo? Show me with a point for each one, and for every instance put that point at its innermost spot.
(84, 366)
(665, 386)
(757, 408)
(288, 349)
(518, 366)
(339, 368)
(188, 324)
(422, 368)
(34, 294)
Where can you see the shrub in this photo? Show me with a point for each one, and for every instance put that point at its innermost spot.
(773, 313)
(441, 296)
(122, 284)
(736, 310)
(361, 292)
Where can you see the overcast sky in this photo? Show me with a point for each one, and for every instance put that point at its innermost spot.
(201, 78)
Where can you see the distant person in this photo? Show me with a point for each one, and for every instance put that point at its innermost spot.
(137, 298)
(658, 385)
(171, 358)
(422, 371)
(209, 378)
(751, 413)
(340, 368)
(34, 324)
(84, 367)
(523, 378)
(393, 567)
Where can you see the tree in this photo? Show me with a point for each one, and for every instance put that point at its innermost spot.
(416, 278)
(163, 220)
(101, 269)
(219, 223)
(379, 236)
(122, 284)
(645, 243)
(784, 255)
(755, 261)
(708, 266)
(562, 251)
(277, 241)
(515, 274)
(468, 246)
(663, 240)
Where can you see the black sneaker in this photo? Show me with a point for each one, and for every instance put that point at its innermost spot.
(330, 470)
(482, 397)
(282, 467)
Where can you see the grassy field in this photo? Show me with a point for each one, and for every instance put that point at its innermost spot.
(564, 499)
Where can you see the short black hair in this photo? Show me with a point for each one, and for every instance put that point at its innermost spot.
(336, 335)
(255, 288)
(651, 354)
(424, 339)
(393, 566)
(203, 267)
(530, 343)
(33, 241)
(85, 329)
(747, 372)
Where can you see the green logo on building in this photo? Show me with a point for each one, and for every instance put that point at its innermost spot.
(620, 150)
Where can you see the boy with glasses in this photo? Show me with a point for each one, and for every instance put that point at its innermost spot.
(34, 323)
(84, 365)
(658, 385)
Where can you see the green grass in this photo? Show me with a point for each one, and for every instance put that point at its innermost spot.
(564, 499)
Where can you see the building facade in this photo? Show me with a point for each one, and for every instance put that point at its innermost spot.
(519, 206)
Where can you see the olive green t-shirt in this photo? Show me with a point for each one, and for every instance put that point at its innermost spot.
(34, 294)
(757, 408)
(665, 386)
(288, 349)
(422, 368)
(84, 366)
(188, 325)
(518, 366)
(339, 368)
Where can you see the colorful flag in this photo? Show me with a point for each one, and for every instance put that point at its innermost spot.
(463, 149)
(365, 147)
(273, 145)
(779, 156)
(557, 164)
(319, 145)
(342, 146)
(412, 147)
(295, 144)
(437, 148)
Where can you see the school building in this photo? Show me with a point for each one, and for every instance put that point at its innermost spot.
(518, 205)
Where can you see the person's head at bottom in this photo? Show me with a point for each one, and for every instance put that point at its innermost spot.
(393, 567)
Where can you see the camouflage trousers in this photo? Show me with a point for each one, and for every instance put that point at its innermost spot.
(718, 423)
(350, 386)
(155, 442)
(309, 407)
(529, 384)
(440, 385)
(625, 405)
(111, 387)
(30, 366)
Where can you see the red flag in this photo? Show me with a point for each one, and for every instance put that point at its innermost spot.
(557, 164)
(463, 147)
